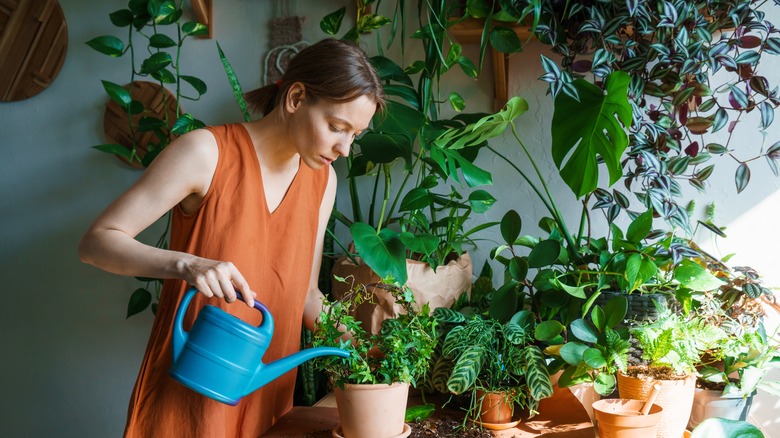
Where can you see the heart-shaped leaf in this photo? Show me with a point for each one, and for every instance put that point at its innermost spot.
(383, 251)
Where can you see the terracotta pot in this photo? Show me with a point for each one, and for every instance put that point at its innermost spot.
(375, 411)
(621, 418)
(495, 407)
(675, 397)
(708, 403)
(587, 395)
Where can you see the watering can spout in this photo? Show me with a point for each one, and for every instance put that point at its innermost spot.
(268, 372)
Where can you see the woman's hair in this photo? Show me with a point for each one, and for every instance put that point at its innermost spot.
(332, 70)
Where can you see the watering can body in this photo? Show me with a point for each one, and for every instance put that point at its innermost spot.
(221, 356)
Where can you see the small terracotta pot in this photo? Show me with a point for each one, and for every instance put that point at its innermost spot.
(621, 418)
(675, 397)
(495, 407)
(375, 411)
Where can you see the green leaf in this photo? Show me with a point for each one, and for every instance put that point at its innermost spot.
(481, 201)
(186, 123)
(139, 301)
(234, 84)
(423, 243)
(723, 428)
(408, 94)
(510, 227)
(369, 22)
(468, 67)
(548, 330)
(584, 331)
(485, 128)
(161, 41)
(696, 277)
(505, 40)
(639, 269)
(465, 371)
(121, 18)
(331, 23)
(117, 93)
(604, 384)
(504, 303)
(640, 227)
(575, 291)
(160, 10)
(156, 62)
(164, 75)
(457, 102)
(742, 177)
(518, 268)
(383, 251)
(593, 358)
(116, 149)
(544, 254)
(196, 83)
(594, 126)
(599, 318)
(536, 374)
(108, 45)
(572, 352)
(193, 28)
(419, 413)
(615, 310)
(416, 199)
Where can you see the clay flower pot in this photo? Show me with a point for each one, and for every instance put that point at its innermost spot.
(621, 418)
(375, 411)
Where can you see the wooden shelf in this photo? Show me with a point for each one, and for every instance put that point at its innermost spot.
(469, 31)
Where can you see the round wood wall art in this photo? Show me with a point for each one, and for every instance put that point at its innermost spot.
(116, 128)
(33, 43)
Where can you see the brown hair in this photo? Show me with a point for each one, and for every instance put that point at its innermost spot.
(332, 70)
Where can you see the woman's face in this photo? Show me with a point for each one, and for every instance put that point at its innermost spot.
(325, 130)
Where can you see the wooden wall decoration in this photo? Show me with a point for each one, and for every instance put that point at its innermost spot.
(115, 123)
(33, 44)
(204, 13)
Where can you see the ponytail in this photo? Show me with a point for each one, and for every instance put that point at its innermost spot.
(263, 99)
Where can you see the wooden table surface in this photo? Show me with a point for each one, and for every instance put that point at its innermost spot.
(560, 416)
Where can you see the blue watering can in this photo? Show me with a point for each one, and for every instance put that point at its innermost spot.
(221, 356)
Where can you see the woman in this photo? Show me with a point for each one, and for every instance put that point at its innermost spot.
(250, 206)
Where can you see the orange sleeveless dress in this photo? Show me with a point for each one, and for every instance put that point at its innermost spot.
(274, 252)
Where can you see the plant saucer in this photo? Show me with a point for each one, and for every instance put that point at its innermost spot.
(496, 426)
(336, 432)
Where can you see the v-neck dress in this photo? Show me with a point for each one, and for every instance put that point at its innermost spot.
(274, 252)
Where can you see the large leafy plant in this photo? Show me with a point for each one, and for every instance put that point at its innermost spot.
(425, 216)
(156, 30)
(693, 74)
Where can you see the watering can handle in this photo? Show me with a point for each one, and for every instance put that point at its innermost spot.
(180, 336)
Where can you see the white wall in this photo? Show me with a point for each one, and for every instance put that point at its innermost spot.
(70, 356)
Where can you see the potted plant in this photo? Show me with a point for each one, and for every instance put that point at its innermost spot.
(487, 352)
(671, 347)
(419, 223)
(496, 361)
(372, 384)
(732, 370)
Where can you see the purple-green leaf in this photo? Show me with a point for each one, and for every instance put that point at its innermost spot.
(742, 177)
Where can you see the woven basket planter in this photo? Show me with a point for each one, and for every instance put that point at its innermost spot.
(675, 397)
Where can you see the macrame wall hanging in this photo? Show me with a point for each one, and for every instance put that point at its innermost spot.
(286, 40)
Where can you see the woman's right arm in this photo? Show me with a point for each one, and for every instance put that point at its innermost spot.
(182, 173)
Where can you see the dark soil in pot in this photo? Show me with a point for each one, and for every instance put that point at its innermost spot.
(657, 373)
(431, 428)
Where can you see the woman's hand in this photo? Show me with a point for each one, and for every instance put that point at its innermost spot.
(216, 278)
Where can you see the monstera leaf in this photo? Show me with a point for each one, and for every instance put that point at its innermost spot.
(594, 126)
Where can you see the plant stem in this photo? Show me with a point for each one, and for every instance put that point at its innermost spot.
(386, 169)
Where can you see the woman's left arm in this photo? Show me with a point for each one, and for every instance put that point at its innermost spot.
(314, 298)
